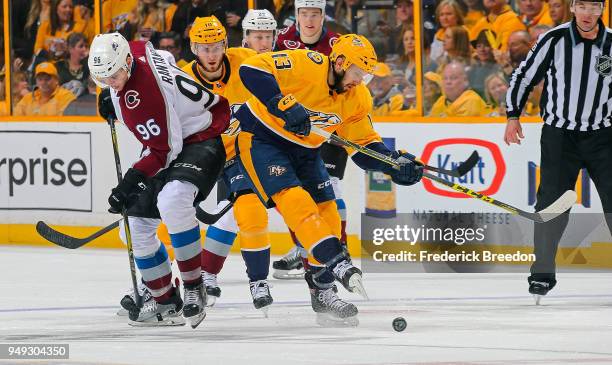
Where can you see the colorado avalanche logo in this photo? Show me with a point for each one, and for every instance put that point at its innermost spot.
(291, 44)
(321, 119)
(115, 46)
(132, 99)
(283, 31)
(333, 41)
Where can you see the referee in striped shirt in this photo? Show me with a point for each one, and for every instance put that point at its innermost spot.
(575, 62)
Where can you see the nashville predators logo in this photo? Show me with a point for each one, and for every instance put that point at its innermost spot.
(316, 57)
(321, 119)
(603, 65)
(234, 126)
(276, 170)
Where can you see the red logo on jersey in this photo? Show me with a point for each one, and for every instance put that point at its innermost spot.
(132, 99)
(291, 44)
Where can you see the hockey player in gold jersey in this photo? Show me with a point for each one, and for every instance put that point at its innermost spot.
(216, 67)
(293, 90)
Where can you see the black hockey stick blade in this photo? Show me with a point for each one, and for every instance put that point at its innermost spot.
(460, 170)
(66, 241)
(208, 218)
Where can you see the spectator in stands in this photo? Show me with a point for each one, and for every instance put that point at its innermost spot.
(116, 15)
(474, 13)
(501, 20)
(373, 24)
(448, 14)
(404, 19)
(458, 99)
(484, 62)
(432, 90)
(49, 98)
(496, 87)
(534, 12)
(559, 11)
(51, 36)
(73, 71)
(19, 86)
(407, 61)
(151, 16)
(387, 97)
(27, 15)
(186, 13)
(519, 44)
(86, 103)
(234, 13)
(535, 32)
(456, 46)
(171, 42)
(4, 107)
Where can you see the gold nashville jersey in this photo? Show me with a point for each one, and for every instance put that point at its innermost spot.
(304, 74)
(230, 87)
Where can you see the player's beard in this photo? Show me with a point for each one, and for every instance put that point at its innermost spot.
(337, 86)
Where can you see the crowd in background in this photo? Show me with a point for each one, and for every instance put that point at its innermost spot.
(469, 48)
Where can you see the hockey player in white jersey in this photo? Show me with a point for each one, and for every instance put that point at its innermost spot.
(179, 124)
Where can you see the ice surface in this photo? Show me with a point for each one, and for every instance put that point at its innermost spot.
(62, 296)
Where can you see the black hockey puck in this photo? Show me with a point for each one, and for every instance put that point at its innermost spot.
(399, 324)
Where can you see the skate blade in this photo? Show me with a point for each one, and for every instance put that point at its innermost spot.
(356, 286)
(264, 311)
(330, 321)
(167, 322)
(122, 312)
(288, 274)
(211, 300)
(195, 321)
(537, 298)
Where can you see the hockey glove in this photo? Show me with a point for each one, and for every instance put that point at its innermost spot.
(293, 113)
(126, 193)
(105, 105)
(410, 171)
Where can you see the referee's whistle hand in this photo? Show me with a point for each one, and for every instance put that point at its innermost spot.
(514, 132)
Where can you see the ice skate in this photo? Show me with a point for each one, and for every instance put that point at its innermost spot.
(154, 314)
(193, 308)
(289, 266)
(213, 291)
(128, 302)
(330, 309)
(260, 291)
(539, 288)
(350, 277)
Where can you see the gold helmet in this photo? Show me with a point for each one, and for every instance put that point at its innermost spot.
(357, 51)
(207, 30)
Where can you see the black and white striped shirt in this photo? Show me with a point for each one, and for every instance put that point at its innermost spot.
(577, 75)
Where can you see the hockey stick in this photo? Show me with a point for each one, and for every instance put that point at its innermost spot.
(72, 243)
(126, 223)
(209, 218)
(67, 241)
(557, 208)
(458, 171)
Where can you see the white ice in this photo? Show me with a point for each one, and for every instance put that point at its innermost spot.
(61, 296)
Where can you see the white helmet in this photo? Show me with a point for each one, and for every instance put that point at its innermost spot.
(258, 19)
(318, 4)
(107, 55)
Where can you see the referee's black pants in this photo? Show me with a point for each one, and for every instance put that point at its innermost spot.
(563, 154)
